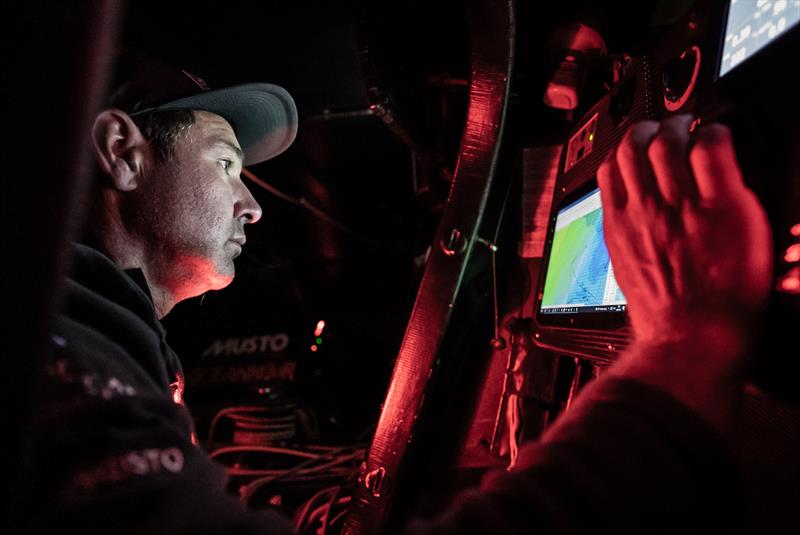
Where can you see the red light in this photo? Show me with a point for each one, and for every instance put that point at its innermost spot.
(793, 253)
(314, 348)
(177, 388)
(790, 283)
(319, 329)
(795, 230)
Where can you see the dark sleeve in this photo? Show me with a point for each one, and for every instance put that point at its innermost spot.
(114, 453)
(627, 458)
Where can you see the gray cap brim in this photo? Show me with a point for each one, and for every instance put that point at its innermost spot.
(263, 116)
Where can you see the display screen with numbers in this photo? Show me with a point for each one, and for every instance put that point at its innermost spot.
(752, 25)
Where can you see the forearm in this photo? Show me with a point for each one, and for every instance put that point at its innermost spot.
(702, 367)
(626, 457)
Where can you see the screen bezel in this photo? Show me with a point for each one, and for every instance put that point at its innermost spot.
(577, 320)
(724, 15)
(718, 94)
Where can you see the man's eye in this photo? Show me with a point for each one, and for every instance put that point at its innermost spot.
(226, 164)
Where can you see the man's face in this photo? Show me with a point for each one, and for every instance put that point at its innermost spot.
(192, 209)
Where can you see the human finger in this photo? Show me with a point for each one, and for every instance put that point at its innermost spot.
(668, 153)
(714, 164)
(634, 165)
(612, 188)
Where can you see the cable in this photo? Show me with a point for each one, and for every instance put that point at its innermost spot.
(315, 464)
(311, 513)
(319, 515)
(339, 517)
(334, 500)
(497, 342)
(247, 491)
(224, 412)
(262, 449)
(258, 425)
(270, 476)
(308, 206)
(305, 511)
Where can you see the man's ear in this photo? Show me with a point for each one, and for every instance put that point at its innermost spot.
(119, 148)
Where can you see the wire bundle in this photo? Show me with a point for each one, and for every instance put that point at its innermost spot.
(282, 471)
(258, 425)
(308, 481)
(323, 513)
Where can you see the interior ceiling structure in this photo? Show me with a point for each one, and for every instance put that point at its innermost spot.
(381, 89)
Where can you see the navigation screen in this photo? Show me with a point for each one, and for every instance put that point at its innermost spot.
(752, 25)
(579, 276)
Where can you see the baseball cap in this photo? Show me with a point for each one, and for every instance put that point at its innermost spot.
(263, 116)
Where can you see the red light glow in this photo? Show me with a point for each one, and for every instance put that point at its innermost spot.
(790, 283)
(177, 388)
(793, 253)
(795, 230)
(319, 329)
(314, 348)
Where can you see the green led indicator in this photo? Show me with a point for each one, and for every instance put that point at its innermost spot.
(319, 341)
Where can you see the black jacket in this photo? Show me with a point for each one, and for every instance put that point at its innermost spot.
(114, 451)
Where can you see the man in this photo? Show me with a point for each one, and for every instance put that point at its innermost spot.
(641, 449)
(644, 448)
(166, 219)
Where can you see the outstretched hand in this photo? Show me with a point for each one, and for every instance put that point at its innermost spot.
(689, 242)
(692, 252)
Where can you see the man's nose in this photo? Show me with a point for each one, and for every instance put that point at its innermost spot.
(246, 207)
